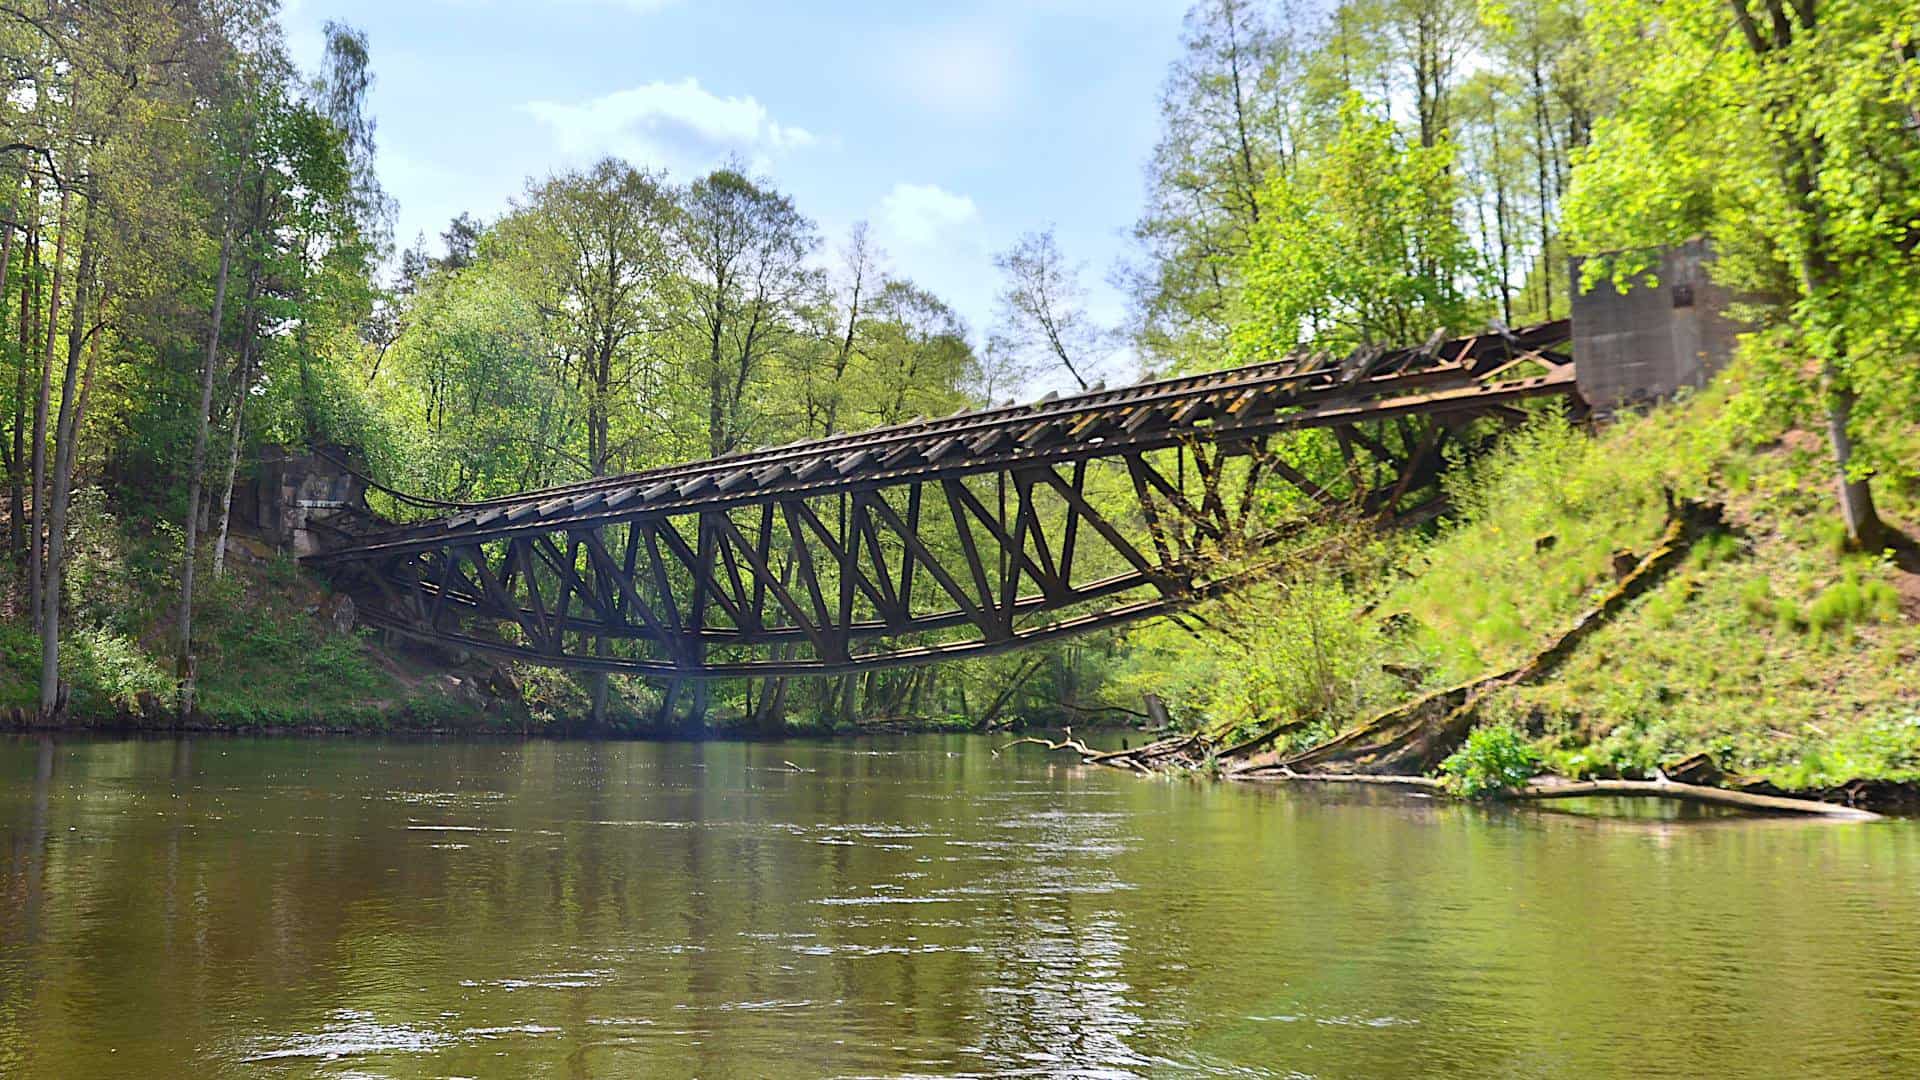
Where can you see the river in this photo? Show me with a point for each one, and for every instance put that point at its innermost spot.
(906, 906)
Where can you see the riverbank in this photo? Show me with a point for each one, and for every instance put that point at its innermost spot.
(1568, 612)
(1759, 645)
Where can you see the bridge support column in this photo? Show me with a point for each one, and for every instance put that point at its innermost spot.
(304, 502)
(597, 691)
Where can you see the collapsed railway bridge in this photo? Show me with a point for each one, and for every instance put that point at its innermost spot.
(938, 539)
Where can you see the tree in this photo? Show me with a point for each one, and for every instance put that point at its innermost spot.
(1784, 133)
(914, 357)
(860, 262)
(1043, 310)
(97, 79)
(1542, 94)
(1431, 37)
(1361, 248)
(290, 185)
(1229, 117)
(595, 244)
(744, 249)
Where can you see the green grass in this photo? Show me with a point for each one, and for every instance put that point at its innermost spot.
(1770, 647)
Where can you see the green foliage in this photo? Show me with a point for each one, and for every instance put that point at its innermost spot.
(1494, 759)
(1884, 749)
(1787, 141)
(1537, 521)
(1360, 245)
(116, 669)
(1293, 651)
(1850, 601)
(1254, 103)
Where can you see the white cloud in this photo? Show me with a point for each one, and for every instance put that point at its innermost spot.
(923, 216)
(681, 125)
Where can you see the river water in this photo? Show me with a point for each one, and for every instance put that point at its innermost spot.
(906, 906)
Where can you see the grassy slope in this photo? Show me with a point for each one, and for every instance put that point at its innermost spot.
(1770, 648)
(269, 656)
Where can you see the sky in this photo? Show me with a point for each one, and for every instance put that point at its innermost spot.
(951, 128)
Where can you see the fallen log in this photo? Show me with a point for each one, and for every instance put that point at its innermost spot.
(1673, 789)
(1537, 790)
(1424, 783)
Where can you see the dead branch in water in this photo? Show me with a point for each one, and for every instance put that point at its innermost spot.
(1672, 789)
(1068, 743)
(1117, 759)
(1425, 783)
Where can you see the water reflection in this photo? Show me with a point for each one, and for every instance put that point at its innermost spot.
(906, 906)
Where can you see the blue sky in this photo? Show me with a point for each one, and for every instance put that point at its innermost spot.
(951, 128)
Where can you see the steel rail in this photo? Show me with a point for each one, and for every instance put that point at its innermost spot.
(1560, 381)
(1271, 374)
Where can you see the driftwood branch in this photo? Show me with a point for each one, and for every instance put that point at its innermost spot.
(1068, 743)
(1673, 789)
(1425, 783)
(1118, 759)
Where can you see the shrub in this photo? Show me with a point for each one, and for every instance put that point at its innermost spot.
(116, 668)
(1493, 759)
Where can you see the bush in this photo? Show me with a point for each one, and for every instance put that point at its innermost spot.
(1289, 651)
(1493, 759)
(116, 668)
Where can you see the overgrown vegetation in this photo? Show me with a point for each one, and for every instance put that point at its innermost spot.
(271, 654)
(1773, 648)
(1494, 759)
(226, 279)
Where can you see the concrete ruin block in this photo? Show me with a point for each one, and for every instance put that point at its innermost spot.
(304, 501)
(1670, 330)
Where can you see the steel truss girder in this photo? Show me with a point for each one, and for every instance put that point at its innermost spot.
(936, 540)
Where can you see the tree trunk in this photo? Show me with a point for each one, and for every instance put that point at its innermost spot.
(29, 307)
(1542, 152)
(597, 695)
(716, 381)
(1020, 676)
(198, 466)
(243, 381)
(67, 432)
(1865, 531)
(12, 225)
(35, 578)
(1500, 219)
